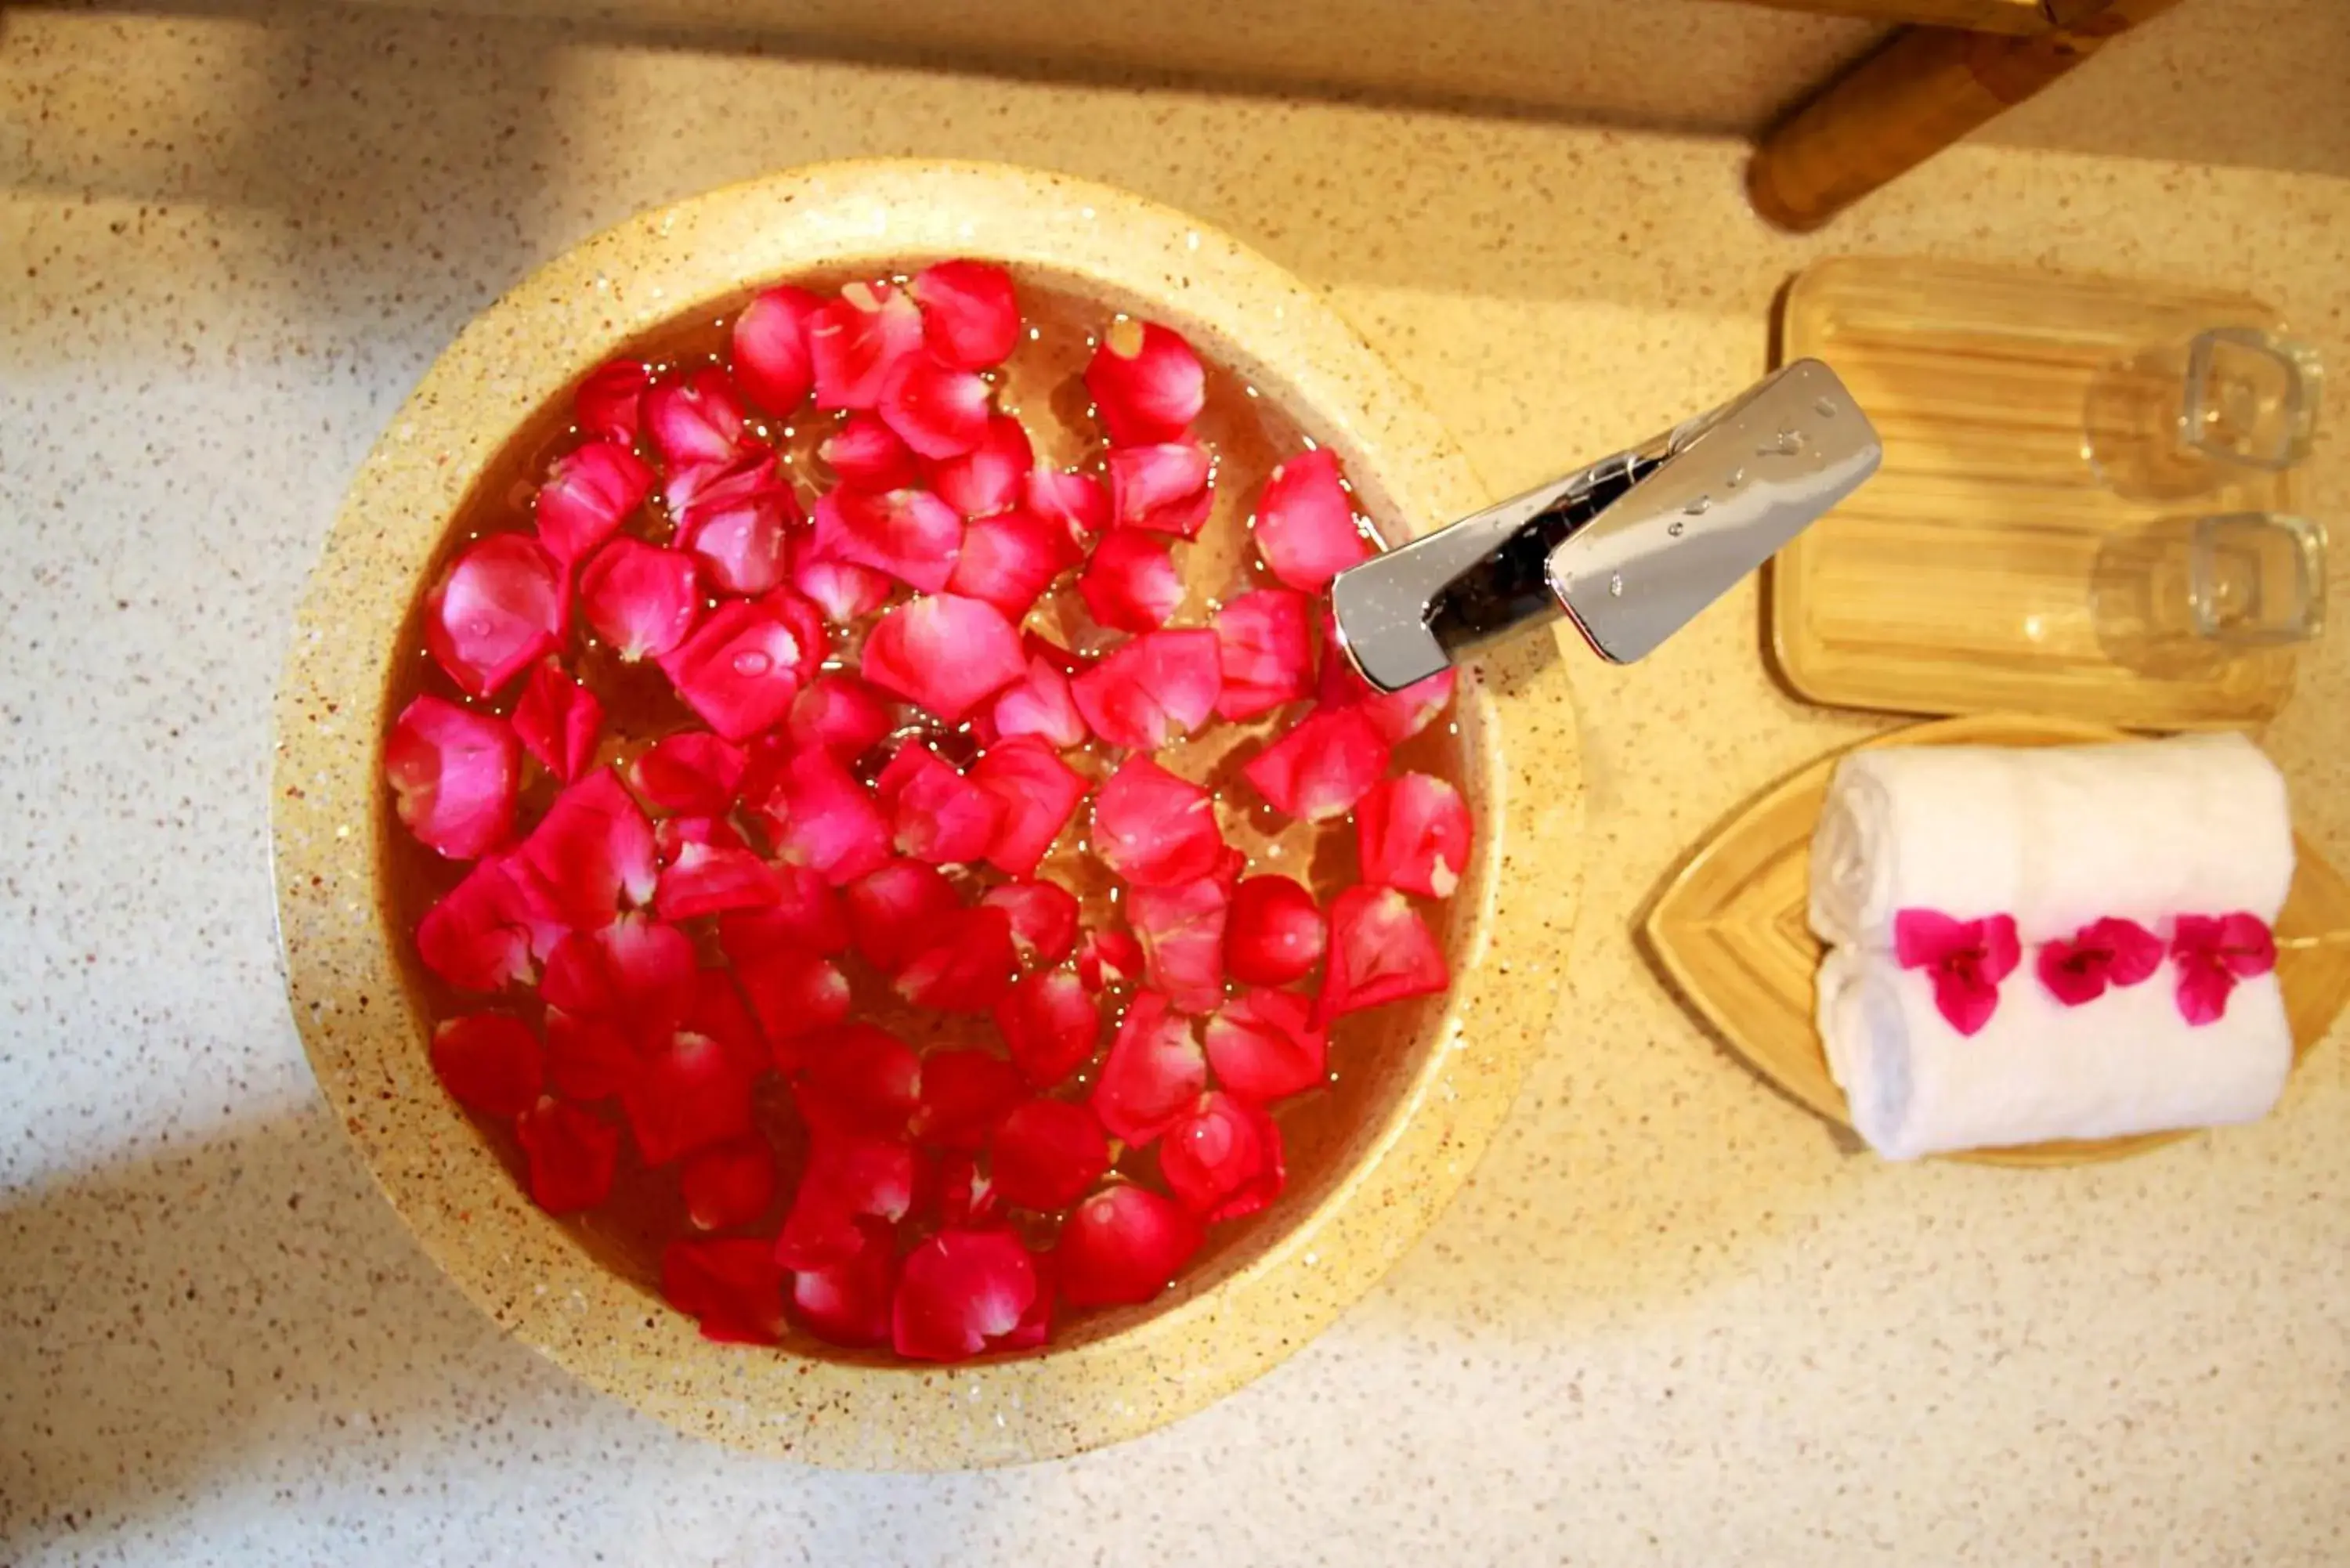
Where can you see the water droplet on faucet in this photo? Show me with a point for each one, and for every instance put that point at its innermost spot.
(1826, 408)
(1737, 478)
(1699, 507)
(1616, 585)
(1674, 527)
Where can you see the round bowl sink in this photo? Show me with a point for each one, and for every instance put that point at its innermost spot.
(1418, 1111)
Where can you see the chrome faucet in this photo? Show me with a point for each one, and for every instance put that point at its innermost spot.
(1630, 548)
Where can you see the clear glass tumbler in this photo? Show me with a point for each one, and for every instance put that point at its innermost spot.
(2177, 419)
(2183, 596)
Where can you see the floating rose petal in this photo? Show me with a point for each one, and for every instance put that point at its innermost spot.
(587, 493)
(911, 535)
(556, 720)
(688, 1095)
(987, 479)
(1156, 689)
(1040, 704)
(719, 1013)
(1306, 527)
(1155, 1069)
(1130, 583)
(453, 775)
(704, 879)
(673, 834)
(591, 850)
(848, 1303)
(1050, 1026)
(1146, 383)
(966, 1193)
(1154, 829)
(572, 1156)
(734, 525)
(640, 599)
(482, 932)
(610, 401)
(1400, 715)
(946, 654)
(964, 1094)
(865, 454)
(1412, 832)
(1277, 932)
(1108, 957)
(1040, 793)
(845, 591)
(795, 994)
(1182, 929)
(970, 319)
(1380, 952)
(1224, 1160)
(1009, 559)
(936, 410)
(493, 1064)
(1046, 1154)
(1164, 487)
(858, 342)
(692, 771)
(1264, 646)
(860, 1082)
(733, 1287)
(1043, 917)
(851, 1181)
(1265, 1047)
(936, 813)
(697, 419)
(729, 1184)
(821, 817)
(806, 914)
(1122, 1246)
(495, 612)
(1077, 501)
(841, 713)
(965, 963)
(960, 1293)
(1322, 767)
(893, 909)
(587, 1058)
(771, 349)
(742, 667)
(636, 975)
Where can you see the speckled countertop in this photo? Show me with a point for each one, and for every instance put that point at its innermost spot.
(1672, 1321)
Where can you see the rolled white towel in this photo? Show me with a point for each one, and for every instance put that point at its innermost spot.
(2125, 1063)
(2056, 836)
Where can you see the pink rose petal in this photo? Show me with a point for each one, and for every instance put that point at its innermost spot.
(1153, 829)
(588, 493)
(1155, 1069)
(1305, 526)
(696, 421)
(1380, 952)
(498, 609)
(969, 318)
(945, 654)
(1039, 792)
(1040, 704)
(1412, 832)
(1153, 690)
(771, 349)
(1322, 767)
(1148, 385)
(1265, 647)
(1264, 1045)
(1130, 582)
(988, 478)
(453, 775)
(640, 599)
(936, 410)
(1164, 487)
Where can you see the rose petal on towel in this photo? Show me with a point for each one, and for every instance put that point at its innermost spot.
(1306, 527)
(640, 599)
(698, 419)
(1222, 1159)
(960, 1293)
(2136, 952)
(1182, 929)
(1967, 959)
(498, 609)
(1009, 559)
(453, 774)
(729, 1184)
(610, 399)
(1151, 690)
(969, 317)
(571, 1153)
(1153, 829)
(1412, 832)
(2210, 953)
(1148, 385)
(1380, 952)
(857, 342)
(1108, 957)
(935, 813)
(2104, 952)
(964, 1094)
(1154, 1070)
(841, 714)
(1123, 1245)
(1039, 703)
(988, 478)
(1040, 793)
(945, 654)
(965, 963)
(892, 909)
(1130, 582)
(1077, 501)
(848, 1303)
(731, 1287)
(489, 1061)
(593, 849)
(1264, 646)
(1164, 487)
(588, 493)
(2247, 945)
(1264, 1045)
(771, 349)
(1275, 933)
(1047, 1153)
(1043, 917)
(1049, 1025)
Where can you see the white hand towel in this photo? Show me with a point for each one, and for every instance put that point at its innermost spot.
(2123, 1063)
(2056, 836)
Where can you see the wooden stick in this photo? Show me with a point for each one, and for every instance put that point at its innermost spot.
(1975, 15)
(1923, 90)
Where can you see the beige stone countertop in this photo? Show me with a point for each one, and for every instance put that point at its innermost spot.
(1672, 1321)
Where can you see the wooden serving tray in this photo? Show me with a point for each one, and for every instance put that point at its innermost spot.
(1730, 929)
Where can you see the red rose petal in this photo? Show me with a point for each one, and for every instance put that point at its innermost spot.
(556, 720)
(491, 1063)
(1156, 689)
(1043, 917)
(1400, 715)
(498, 609)
(965, 963)
(698, 419)
(692, 771)
(1123, 1246)
(673, 834)
(847, 1302)
(587, 493)
(988, 478)
(1164, 487)
(1130, 582)
(743, 665)
(964, 1094)
(1050, 1026)
(1045, 1154)
(587, 1058)
(945, 654)
(1322, 767)
(795, 993)
(610, 401)
(1306, 527)
(1265, 1047)
(1224, 1160)
(640, 599)
(636, 973)
(970, 319)
(734, 525)
(704, 879)
(718, 1012)
(960, 1292)
(858, 342)
(729, 1184)
(860, 1082)
(482, 932)
(823, 819)
(911, 535)
(1412, 833)
(688, 1095)
(1077, 501)
(845, 591)
(1040, 793)
(1153, 829)
(1380, 952)
(453, 774)
(731, 1287)
(572, 1156)
(771, 349)
(806, 914)
(1265, 647)
(1155, 1069)
(893, 909)
(966, 1193)
(937, 409)
(1182, 929)
(1276, 931)
(1109, 958)
(935, 813)
(841, 713)
(1009, 559)
(1146, 383)
(1039, 704)
(592, 849)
